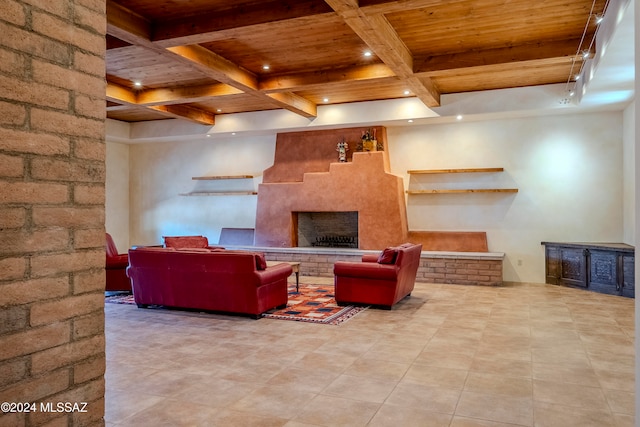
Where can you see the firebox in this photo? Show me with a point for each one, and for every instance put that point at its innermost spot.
(325, 229)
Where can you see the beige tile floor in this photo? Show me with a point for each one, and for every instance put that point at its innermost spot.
(460, 356)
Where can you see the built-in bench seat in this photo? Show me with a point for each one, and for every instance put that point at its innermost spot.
(464, 268)
(451, 241)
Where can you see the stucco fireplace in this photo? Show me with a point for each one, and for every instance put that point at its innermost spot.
(307, 177)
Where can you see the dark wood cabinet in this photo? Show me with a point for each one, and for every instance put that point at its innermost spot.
(628, 275)
(600, 267)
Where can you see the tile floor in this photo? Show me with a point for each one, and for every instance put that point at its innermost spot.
(450, 355)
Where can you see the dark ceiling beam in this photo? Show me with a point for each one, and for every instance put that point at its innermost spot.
(227, 72)
(129, 98)
(117, 107)
(126, 25)
(374, 7)
(295, 103)
(218, 25)
(120, 94)
(382, 39)
(544, 53)
(186, 112)
(181, 95)
(317, 79)
(216, 67)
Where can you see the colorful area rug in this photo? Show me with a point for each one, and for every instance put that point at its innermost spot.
(312, 303)
(120, 299)
(316, 304)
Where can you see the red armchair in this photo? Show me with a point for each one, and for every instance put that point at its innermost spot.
(378, 280)
(116, 266)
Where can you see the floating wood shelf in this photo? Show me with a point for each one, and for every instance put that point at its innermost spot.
(460, 191)
(214, 177)
(469, 190)
(220, 193)
(467, 170)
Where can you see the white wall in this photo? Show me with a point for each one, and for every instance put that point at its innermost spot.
(117, 194)
(636, 119)
(160, 172)
(629, 169)
(568, 169)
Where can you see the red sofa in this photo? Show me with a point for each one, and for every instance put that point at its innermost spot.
(380, 280)
(115, 266)
(207, 279)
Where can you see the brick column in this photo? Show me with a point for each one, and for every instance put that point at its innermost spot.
(52, 152)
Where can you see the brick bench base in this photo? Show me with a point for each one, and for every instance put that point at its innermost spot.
(462, 268)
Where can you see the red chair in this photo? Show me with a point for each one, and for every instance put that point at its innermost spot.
(380, 280)
(116, 266)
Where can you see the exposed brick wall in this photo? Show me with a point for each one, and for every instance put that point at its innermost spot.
(52, 172)
(462, 270)
(312, 264)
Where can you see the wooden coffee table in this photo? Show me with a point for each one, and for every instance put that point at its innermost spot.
(294, 265)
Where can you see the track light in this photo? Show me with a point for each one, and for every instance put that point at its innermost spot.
(584, 49)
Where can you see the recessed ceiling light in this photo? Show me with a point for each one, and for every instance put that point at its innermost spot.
(233, 133)
(407, 92)
(325, 100)
(208, 136)
(266, 67)
(137, 84)
(368, 53)
(410, 120)
(219, 110)
(459, 117)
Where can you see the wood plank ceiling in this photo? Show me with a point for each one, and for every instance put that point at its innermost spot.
(200, 58)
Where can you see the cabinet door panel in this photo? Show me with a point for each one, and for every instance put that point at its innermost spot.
(552, 265)
(628, 274)
(603, 272)
(573, 265)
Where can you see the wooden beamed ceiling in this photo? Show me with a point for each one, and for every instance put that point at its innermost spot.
(201, 58)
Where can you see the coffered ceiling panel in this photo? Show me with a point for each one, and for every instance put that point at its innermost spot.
(291, 50)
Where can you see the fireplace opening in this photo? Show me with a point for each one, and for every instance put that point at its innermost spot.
(326, 229)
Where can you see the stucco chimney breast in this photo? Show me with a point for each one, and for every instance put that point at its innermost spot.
(313, 180)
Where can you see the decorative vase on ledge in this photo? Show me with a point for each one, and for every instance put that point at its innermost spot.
(369, 142)
(369, 145)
